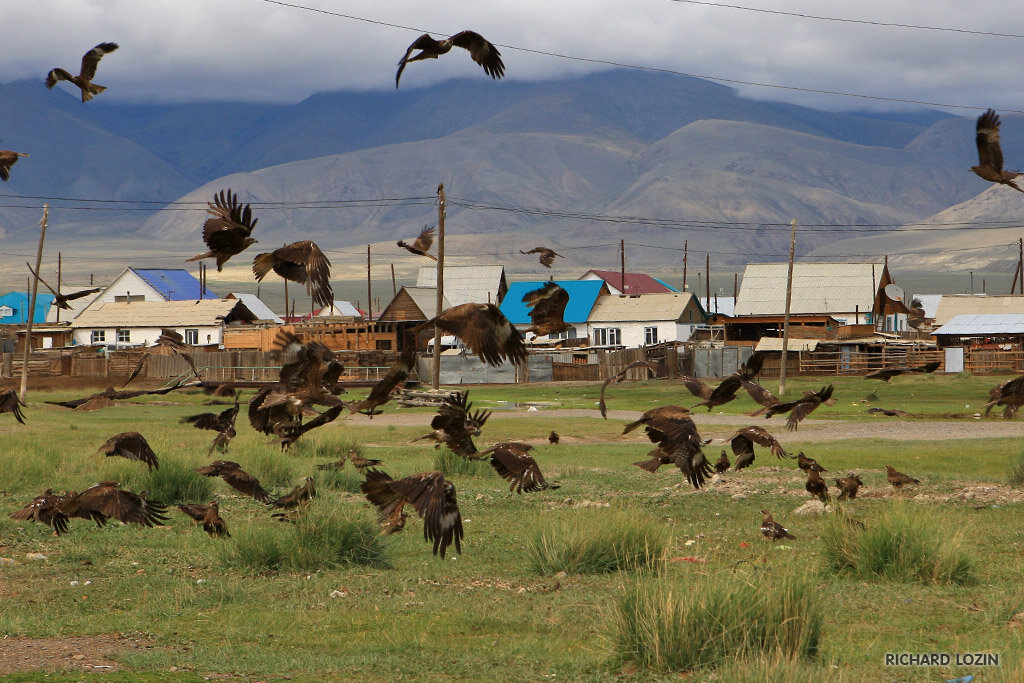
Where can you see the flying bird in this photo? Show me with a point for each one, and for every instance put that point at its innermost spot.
(484, 329)
(1009, 394)
(229, 232)
(138, 368)
(290, 433)
(43, 509)
(618, 377)
(130, 445)
(848, 486)
(482, 52)
(808, 464)
(61, 300)
(107, 397)
(751, 368)
(429, 494)
(455, 425)
(898, 479)
(817, 487)
(990, 154)
(223, 423)
(742, 443)
(11, 403)
(894, 412)
(547, 256)
(173, 340)
(760, 395)
(772, 530)
(514, 464)
(302, 493)
(672, 428)
(547, 309)
(90, 60)
(237, 478)
(381, 392)
(802, 407)
(888, 373)
(724, 392)
(300, 262)
(108, 500)
(421, 246)
(8, 159)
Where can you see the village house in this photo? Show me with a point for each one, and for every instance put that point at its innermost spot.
(152, 284)
(644, 319)
(14, 307)
(138, 323)
(466, 284)
(256, 306)
(635, 283)
(953, 305)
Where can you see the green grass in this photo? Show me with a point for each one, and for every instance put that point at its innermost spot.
(589, 541)
(452, 465)
(1015, 475)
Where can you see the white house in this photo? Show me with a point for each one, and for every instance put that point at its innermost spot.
(644, 319)
(467, 284)
(151, 284)
(120, 323)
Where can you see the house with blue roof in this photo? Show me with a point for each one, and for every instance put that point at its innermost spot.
(152, 284)
(583, 295)
(14, 308)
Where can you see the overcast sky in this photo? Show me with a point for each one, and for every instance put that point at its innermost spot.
(256, 50)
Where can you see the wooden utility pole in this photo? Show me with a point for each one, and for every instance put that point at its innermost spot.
(369, 287)
(622, 264)
(58, 281)
(32, 303)
(1013, 285)
(435, 380)
(735, 287)
(686, 252)
(394, 283)
(789, 301)
(1020, 263)
(707, 281)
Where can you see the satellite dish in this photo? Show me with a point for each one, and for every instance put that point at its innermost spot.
(894, 292)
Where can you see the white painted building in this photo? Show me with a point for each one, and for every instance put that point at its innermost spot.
(120, 323)
(151, 284)
(644, 319)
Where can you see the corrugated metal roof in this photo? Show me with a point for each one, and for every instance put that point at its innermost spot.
(930, 303)
(722, 305)
(173, 284)
(636, 283)
(775, 344)
(465, 284)
(340, 308)
(161, 313)
(953, 305)
(817, 288)
(257, 307)
(425, 299)
(640, 307)
(18, 301)
(984, 324)
(582, 295)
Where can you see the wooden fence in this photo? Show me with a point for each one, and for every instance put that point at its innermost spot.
(862, 362)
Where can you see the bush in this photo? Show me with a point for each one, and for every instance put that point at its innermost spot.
(1015, 476)
(712, 620)
(585, 543)
(452, 464)
(903, 544)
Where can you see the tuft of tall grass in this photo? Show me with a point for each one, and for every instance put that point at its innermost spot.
(901, 544)
(452, 464)
(588, 543)
(174, 482)
(271, 467)
(322, 538)
(709, 621)
(347, 480)
(1015, 475)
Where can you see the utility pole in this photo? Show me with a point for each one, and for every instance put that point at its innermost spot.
(435, 381)
(789, 301)
(686, 252)
(394, 283)
(58, 282)
(32, 303)
(369, 287)
(735, 287)
(1020, 264)
(707, 282)
(622, 264)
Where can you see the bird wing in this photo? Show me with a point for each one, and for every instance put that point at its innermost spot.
(11, 403)
(91, 59)
(482, 52)
(130, 445)
(760, 394)
(799, 412)
(761, 437)
(425, 43)
(36, 275)
(231, 219)
(485, 330)
(990, 154)
(547, 305)
(434, 500)
(305, 263)
(742, 448)
(111, 501)
(245, 483)
(396, 374)
(425, 240)
(512, 464)
(618, 377)
(203, 421)
(696, 387)
(79, 294)
(56, 75)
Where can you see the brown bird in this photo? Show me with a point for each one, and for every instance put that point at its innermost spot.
(512, 462)
(672, 428)
(808, 464)
(11, 403)
(751, 367)
(90, 60)
(138, 369)
(655, 459)
(547, 256)
(724, 392)
(212, 523)
(547, 309)
(195, 511)
(381, 392)
(990, 154)
(61, 300)
(431, 496)
(173, 340)
(301, 262)
(455, 426)
(817, 487)
(235, 477)
(888, 373)
(894, 412)
(8, 159)
(43, 509)
(130, 445)
(1009, 394)
(848, 486)
(553, 438)
(618, 377)
(802, 407)
(760, 395)
(898, 479)
(108, 500)
(302, 493)
(772, 530)
(482, 52)
(742, 443)
(229, 231)
(421, 246)
(722, 464)
(222, 423)
(484, 329)
(289, 433)
(107, 397)
(362, 463)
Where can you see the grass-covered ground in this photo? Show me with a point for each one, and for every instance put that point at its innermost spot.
(598, 580)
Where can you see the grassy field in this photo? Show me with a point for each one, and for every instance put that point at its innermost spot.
(524, 600)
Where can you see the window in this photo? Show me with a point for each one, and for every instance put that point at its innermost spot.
(383, 344)
(97, 336)
(124, 337)
(607, 336)
(192, 336)
(129, 298)
(6, 311)
(650, 336)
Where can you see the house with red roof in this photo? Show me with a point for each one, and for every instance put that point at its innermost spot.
(636, 283)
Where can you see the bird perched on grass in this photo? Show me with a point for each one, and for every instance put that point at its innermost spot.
(10, 402)
(817, 487)
(547, 256)
(302, 493)
(547, 309)
(990, 154)
(7, 159)
(482, 52)
(898, 479)
(212, 522)
(514, 464)
(1009, 394)
(848, 486)
(302, 262)
(90, 60)
(229, 232)
(484, 329)
(722, 464)
(808, 464)
(130, 445)
(553, 438)
(421, 246)
(772, 530)
(194, 511)
(237, 478)
(431, 496)
(742, 444)
(801, 407)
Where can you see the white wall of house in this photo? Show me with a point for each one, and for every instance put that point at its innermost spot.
(144, 336)
(632, 334)
(124, 285)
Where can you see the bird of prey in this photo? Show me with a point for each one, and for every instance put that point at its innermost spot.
(455, 426)
(751, 368)
(512, 462)
(894, 412)
(723, 393)
(429, 494)
(553, 438)
(90, 60)
(990, 154)
(484, 329)
(655, 459)
(61, 300)
(222, 423)
(107, 397)
(672, 428)
(212, 522)
(421, 246)
(386, 385)
(305, 491)
(195, 511)
(742, 443)
(547, 309)
(289, 433)
(43, 509)
(888, 373)
(130, 445)
(235, 477)
(618, 377)
(808, 464)
(1009, 394)
(138, 368)
(848, 486)
(547, 256)
(176, 343)
(229, 231)
(301, 262)
(722, 464)
(11, 403)
(817, 487)
(8, 159)
(108, 500)
(898, 479)
(802, 407)
(772, 530)
(482, 52)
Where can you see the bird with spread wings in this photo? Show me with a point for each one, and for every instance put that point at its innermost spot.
(455, 425)
(742, 444)
(61, 300)
(990, 154)
(90, 60)
(130, 445)
(887, 374)
(801, 407)
(618, 377)
(429, 494)
(484, 329)
(513, 463)
(108, 500)
(481, 50)
(547, 309)
(10, 402)
(237, 478)
(421, 246)
(546, 255)
(673, 429)
(302, 262)
(229, 232)
(107, 397)
(7, 159)
(386, 385)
